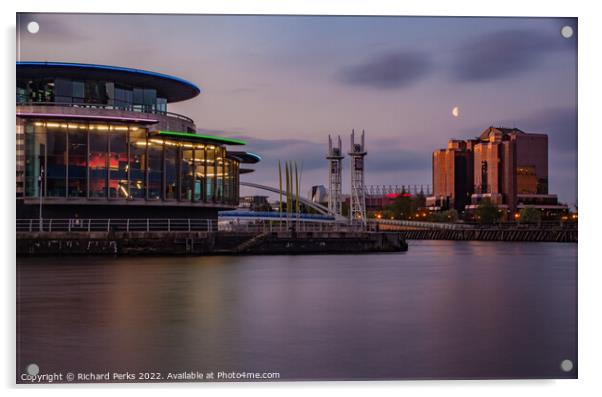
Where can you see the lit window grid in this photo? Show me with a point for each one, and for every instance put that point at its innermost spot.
(216, 175)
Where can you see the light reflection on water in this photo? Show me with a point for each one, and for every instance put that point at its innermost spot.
(442, 310)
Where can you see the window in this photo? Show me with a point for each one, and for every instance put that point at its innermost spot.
(118, 163)
(137, 166)
(210, 173)
(161, 105)
(200, 172)
(78, 151)
(56, 162)
(97, 160)
(62, 91)
(187, 169)
(171, 171)
(155, 169)
(34, 158)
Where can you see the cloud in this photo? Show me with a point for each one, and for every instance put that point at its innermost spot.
(380, 158)
(388, 71)
(559, 123)
(505, 54)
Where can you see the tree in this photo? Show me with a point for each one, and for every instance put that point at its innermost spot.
(487, 212)
(530, 215)
(444, 216)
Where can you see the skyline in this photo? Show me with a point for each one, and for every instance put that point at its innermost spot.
(283, 83)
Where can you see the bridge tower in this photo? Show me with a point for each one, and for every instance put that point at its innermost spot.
(357, 205)
(335, 190)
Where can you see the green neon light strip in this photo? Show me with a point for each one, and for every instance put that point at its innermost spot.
(229, 141)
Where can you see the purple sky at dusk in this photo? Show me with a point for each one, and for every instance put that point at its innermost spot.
(284, 83)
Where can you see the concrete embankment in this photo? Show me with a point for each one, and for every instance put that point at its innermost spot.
(206, 243)
(534, 235)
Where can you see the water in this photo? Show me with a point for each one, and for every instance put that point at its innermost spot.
(444, 309)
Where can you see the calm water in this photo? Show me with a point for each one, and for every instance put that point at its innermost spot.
(442, 310)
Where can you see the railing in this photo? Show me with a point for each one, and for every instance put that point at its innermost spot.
(128, 108)
(122, 225)
(473, 225)
(293, 225)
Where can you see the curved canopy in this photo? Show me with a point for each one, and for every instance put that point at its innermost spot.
(194, 137)
(245, 157)
(172, 88)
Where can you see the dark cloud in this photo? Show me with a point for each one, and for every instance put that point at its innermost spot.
(505, 54)
(559, 123)
(380, 158)
(388, 71)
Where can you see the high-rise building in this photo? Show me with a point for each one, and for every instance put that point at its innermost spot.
(452, 176)
(505, 165)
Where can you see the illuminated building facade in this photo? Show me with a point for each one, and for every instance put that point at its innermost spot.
(505, 165)
(452, 176)
(97, 141)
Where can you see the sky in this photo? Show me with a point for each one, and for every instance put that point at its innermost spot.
(284, 83)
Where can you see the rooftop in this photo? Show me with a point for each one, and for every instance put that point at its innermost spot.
(174, 89)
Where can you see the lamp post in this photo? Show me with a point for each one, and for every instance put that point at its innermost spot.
(41, 181)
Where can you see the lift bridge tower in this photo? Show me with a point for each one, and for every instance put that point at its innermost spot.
(335, 191)
(357, 206)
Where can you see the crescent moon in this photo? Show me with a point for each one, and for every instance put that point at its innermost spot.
(456, 111)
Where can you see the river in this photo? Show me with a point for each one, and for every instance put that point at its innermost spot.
(444, 309)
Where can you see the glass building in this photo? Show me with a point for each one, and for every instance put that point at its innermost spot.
(98, 142)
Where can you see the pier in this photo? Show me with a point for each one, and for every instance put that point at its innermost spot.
(197, 237)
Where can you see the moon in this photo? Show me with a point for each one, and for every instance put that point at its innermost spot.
(456, 111)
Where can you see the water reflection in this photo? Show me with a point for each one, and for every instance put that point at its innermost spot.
(443, 309)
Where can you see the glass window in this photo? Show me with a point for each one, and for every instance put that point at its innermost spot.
(137, 166)
(92, 93)
(199, 181)
(56, 161)
(110, 89)
(138, 101)
(210, 173)
(187, 173)
(78, 152)
(78, 92)
(149, 100)
(41, 90)
(22, 95)
(97, 160)
(171, 170)
(118, 162)
(161, 105)
(34, 158)
(155, 168)
(63, 88)
(219, 164)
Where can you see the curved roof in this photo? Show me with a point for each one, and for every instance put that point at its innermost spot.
(194, 137)
(245, 157)
(172, 88)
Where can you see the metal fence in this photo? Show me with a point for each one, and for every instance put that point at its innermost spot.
(473, 225)
(292, 225)
(127, 108)
(123, 225)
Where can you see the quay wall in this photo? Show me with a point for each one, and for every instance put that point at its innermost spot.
(205, 243)
(528, 235)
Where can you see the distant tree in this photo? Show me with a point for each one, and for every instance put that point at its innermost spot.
(444, 216)
(487, 212)
(530, 215)
(450, 215)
